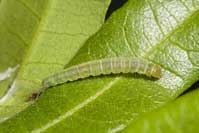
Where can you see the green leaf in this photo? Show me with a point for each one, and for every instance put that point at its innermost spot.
(41, 36)
(164, 32)
(18, 23)
(181, 116)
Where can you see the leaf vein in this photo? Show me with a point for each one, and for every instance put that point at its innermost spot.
(76, 108)
(172, 32)
(27, 7)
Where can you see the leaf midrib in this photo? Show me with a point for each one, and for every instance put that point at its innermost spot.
(115, 80)
(32, 42)
(171, 33)
(77, 107)
(35, 37)
(146, 56)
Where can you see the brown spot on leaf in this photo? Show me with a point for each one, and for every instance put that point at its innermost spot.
(34, 96)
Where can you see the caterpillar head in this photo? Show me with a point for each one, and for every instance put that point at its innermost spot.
(156, 72)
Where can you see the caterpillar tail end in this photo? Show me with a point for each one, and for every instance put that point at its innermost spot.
(156, 73)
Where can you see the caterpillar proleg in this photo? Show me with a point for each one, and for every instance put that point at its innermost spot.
(103, 67)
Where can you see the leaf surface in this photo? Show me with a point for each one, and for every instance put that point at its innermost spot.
(18, 22)
(163, 32)
(40, 37)
(181, 116)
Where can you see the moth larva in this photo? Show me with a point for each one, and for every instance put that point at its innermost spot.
(103, 67)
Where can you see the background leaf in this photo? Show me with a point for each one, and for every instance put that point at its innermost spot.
(18, 21)
(41, 36)
(180, 116)
(163, 32)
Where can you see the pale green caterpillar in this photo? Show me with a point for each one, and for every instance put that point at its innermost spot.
(104, 67)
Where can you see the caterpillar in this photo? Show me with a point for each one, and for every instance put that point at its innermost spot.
(103, 67)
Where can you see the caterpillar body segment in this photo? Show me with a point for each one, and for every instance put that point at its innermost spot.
(103, 67)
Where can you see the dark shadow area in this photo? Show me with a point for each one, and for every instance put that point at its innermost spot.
(115, 4)
(192, 88)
